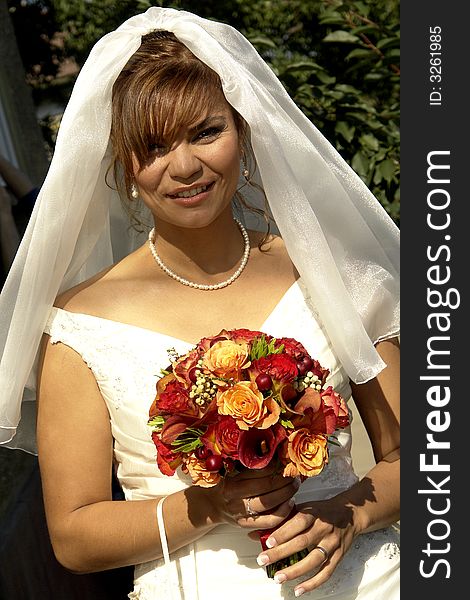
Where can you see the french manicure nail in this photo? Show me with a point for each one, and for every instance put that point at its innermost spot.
(298, 592)
(271, 542)
(262, 560)
(280, 577)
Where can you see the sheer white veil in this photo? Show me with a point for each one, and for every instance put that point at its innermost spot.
(342, 242)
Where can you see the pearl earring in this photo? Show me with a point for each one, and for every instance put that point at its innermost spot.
(245, 171)
(134, 191)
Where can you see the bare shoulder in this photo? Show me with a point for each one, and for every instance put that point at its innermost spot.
(102, 293)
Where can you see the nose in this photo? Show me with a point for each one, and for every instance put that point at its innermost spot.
(184, 165)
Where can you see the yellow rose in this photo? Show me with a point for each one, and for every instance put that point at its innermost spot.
(246, 404)
(226, 358)
(198, 472)
(308, 453)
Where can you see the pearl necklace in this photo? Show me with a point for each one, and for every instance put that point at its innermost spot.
(202, 286)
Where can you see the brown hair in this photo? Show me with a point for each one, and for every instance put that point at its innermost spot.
(162, 86)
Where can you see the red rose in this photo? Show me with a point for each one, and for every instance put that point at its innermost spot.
(295, 349)
(279, 367)
(175, 400)
(222, 437)
(256, 447)
(335, 409)
(292, 348)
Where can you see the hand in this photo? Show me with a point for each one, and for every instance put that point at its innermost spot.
(267, 495)
(328, 525)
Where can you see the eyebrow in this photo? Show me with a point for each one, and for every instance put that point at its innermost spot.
(207, 122)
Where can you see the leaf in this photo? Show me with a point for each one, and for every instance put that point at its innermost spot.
(358, 52)
(369, 141)
(387, 42)
(347, 89)
(324, 78)
(378, 177)
(156, 422)
(360, 164)
(189, 440)
(346, 130)
(364, 29)
(387, 168)
(374, 76)
(286, 424)
(342, 37)
(331, 16)
(261, 40)
(261, 348)
(303, 65)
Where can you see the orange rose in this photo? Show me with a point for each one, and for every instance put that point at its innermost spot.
(198, 472)
(308, 453)
(226, 358)
(246, 404)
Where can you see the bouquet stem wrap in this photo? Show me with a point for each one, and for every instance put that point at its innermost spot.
(274, 567)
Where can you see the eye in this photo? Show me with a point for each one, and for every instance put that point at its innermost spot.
(157, 150)
(208, 134)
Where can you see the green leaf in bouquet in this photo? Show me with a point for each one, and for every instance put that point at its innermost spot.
(261, 348)
(156, 422)
(189, 440)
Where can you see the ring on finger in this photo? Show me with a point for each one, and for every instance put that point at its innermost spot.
(325, 553)
(250, 511)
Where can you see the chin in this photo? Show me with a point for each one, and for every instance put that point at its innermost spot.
(195, 218)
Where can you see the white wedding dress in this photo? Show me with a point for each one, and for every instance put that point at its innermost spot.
(126, 362)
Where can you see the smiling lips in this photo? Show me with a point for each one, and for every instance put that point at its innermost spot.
(189, 193)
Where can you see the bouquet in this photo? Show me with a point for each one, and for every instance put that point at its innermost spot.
(240, 400)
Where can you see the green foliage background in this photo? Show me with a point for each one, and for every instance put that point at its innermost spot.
(338, 59)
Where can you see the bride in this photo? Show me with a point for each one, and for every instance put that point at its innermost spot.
(181, 116)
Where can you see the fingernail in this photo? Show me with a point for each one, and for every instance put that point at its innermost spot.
(291, 503)
(298, 592)
(280, 577)
(271, 542)
(262, 560)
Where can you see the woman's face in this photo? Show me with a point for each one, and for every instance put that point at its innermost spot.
(190, 183)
